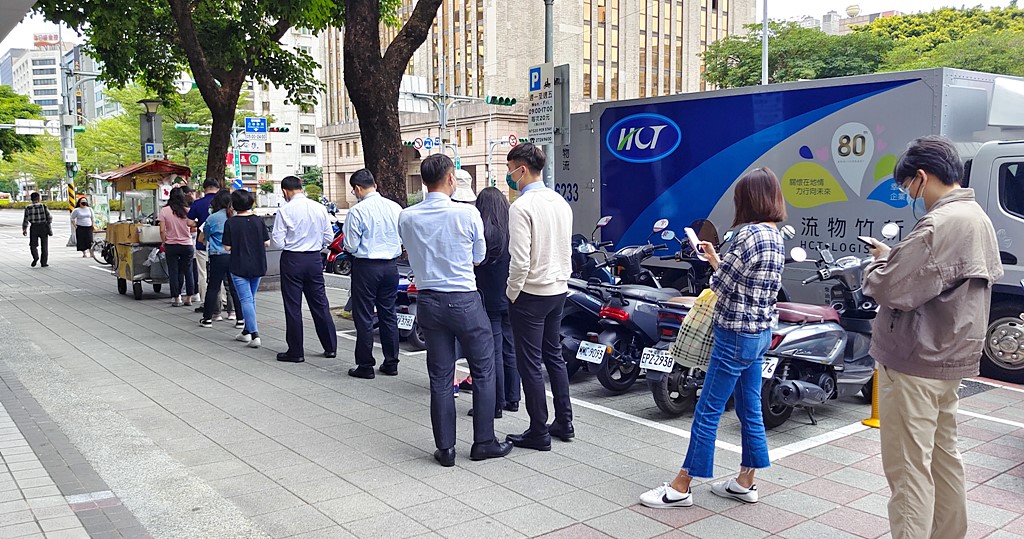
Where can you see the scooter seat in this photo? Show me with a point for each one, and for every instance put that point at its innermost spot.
(684, 301)
(646, 293)
(803, 313)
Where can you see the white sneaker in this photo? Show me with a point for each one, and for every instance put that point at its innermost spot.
(665, 496)
(231, 316)
(195, 297)
(218, 318)
(732, 489)
(243, 337)
(239, 324)
(254, 343)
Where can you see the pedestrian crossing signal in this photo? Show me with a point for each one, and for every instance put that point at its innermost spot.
(500, 100)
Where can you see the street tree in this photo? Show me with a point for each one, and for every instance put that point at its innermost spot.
(222, 44)
(794, 53)
(373, 78)
(313, 176)
(14, 107)
(44, 166)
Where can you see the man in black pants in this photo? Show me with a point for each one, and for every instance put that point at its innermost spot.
(444, 241)
(302, 229)
(37, 221)
(540, 245)
(371, 236)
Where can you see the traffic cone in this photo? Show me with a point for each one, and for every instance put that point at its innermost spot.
(873, 420)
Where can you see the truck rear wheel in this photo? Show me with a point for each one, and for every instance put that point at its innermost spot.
(1003, 357)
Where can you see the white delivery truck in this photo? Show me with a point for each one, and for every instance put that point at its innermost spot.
(833, 143)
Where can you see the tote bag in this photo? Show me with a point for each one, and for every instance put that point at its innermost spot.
(692, 347)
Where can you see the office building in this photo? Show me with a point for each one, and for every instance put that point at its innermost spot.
(34, 72)
(616, 49)
(834, 23)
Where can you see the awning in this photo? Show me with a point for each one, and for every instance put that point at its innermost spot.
(156, 167)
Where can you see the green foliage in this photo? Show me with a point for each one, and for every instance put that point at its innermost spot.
(266, 187)
(44, 165)
(9, 186)
(313, 192)
(52, 205)
(313, 176)
(16, 106)
(794, 53)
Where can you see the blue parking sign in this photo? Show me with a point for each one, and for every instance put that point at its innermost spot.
(535, 79)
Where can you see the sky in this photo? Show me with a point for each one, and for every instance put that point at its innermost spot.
(21, 36)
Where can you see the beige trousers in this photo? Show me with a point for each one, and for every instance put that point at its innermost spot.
(202, 259)
(920, 456)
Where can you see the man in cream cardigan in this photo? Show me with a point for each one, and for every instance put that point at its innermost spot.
(540, 231)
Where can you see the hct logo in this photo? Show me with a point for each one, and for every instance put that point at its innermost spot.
(643, 138)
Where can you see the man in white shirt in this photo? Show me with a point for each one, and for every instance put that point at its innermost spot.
(371, 235)
(540, 239)
(302, 229)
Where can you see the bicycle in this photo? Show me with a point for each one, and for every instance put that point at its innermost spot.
(103, 252)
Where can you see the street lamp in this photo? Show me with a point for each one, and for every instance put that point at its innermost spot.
(149, 129)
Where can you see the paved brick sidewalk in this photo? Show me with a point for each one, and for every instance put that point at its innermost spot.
(199, 436)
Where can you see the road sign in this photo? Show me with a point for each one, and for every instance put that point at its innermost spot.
(246, 159)
(418, 143)
(53, 128)
(542, 104)
(154, 150)
(513, 139)
(237, 184)
(256, 129)
(252, 146)
(428, 144)
(28, 127)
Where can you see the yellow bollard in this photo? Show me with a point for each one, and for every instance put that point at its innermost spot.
(873, 420)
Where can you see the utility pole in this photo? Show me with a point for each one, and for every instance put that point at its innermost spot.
(549, 58)
(764, 45)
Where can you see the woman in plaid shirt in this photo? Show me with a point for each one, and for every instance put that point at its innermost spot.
(747, 280)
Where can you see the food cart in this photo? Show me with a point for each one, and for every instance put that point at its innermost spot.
(136, 235)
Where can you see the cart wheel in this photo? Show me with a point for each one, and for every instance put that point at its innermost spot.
(137, 289)
(122, 286)
(156, 287)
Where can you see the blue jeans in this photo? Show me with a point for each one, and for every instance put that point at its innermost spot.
(246, 288)
(735, 366)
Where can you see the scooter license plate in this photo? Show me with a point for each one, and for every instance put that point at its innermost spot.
(768, 367)
(405, 321)
(653, 359)
(591, 352)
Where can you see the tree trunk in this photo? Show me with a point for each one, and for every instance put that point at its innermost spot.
(373, 83)
(220, 140)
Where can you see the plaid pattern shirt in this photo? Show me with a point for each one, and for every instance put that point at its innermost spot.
(36, 214)
(748, 280)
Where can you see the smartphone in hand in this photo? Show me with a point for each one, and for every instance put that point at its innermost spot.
(694, 241)
(867, 240)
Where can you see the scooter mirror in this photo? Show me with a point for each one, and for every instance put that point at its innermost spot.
(890, 231)
(604, 221)
(668, 235)
(660, 224)
(788, 233)
(728, 236)
(586, 248)
(798, 254)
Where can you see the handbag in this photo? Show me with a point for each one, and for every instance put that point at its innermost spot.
(692, 347)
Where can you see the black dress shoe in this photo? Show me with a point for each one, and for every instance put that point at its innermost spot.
(529, 440)
(562, 432)
(492, 450)
(445, 457)
(34, 262)
(198, 309)
(512, 406)
(330, 355)
(389, 370)
(365, 373)
(289, 359)
(497, 415)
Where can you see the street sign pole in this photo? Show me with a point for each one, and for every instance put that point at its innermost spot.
(549, 54)
(238, 154)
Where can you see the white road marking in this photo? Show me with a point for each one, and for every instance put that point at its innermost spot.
(992, 419)
(815, 441)
(345, 334)
(993, 384)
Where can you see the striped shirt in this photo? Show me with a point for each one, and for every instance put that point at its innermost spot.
(748, 279)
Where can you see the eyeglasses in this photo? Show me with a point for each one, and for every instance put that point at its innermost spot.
(904, 188)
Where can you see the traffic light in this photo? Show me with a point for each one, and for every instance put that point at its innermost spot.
(407, 143)
(500, 100)
(278, 129)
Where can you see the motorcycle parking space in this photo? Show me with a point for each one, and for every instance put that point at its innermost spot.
(198, 436)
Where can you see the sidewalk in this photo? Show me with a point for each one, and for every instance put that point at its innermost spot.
(147, 424)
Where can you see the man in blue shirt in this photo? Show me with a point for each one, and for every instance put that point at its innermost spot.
(371, 236)
(445, 240)
(198, 212)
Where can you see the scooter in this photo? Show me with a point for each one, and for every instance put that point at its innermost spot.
(820, 353)
(338, 261)
(628, 317)
(408, 325)
(584, 265)
(581, 312)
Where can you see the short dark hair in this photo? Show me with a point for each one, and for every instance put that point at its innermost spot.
(241, 200)
(291, 183)
(362, 178)
(435, 168)
(186, 188)
(210, 183)
(34, 197)
(758, 198)
(934, 155)
(221, 201)
(82, 202)
(530, 155)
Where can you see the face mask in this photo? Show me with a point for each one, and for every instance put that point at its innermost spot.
(512, 184)
(917, 200)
